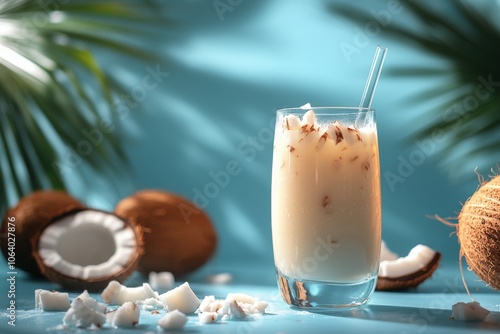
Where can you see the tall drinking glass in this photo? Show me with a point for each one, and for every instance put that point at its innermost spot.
(326, 206)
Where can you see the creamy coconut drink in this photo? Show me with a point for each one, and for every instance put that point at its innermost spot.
(326, 206)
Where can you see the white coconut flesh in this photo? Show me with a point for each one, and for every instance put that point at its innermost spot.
(386, 254)
(88, 244)
(418, 257)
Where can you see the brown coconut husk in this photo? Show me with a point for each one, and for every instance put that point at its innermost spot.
(90, 284)
(178, 236)
(32, 213)
(478, 231)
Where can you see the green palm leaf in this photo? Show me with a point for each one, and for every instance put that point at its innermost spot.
(469, 40)
(52, 86)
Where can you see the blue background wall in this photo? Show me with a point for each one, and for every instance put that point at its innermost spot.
(228, 73)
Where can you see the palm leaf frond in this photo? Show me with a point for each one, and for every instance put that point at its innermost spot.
(53, 87)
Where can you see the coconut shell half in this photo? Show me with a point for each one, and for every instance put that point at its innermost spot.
(178, 236)
(411, 280)
(86, 249)
(32, 213)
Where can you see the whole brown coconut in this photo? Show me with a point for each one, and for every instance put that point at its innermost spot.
(478, 232)
(178, 236)
(30, 214)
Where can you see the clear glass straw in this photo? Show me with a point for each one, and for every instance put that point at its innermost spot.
(371, 82)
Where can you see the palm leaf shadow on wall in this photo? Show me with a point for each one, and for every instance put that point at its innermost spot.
(467, 37)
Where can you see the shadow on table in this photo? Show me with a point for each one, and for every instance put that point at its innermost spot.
(422, 318)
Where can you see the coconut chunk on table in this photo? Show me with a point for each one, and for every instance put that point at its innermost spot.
(207, 317)
(84, 312)
(125, 316)
(472, 311)
(52, 300)
(181, 298)
(173, 320)
(117, 294)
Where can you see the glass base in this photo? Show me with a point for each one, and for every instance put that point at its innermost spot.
(318, 295)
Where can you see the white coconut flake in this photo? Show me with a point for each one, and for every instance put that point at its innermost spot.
(386, 254)
(291, 122)
(306, 106)
(151, 304)
(210, 304)
(418, 257)
(249, 304)
(207, 317)
(224, 309)
(235, 311)
(173, 320)
(91, 302)
(231, 310)
(471, 311)
(351, 136)
(126, 316)
(259, 306)
(51, 300)
(236, 306)
(241, 297)
(111, 291)
(117, 294)
(309, 120)
(205, 303)
(181, 298)
(161, 280)
(84, 312)
(110, 316)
